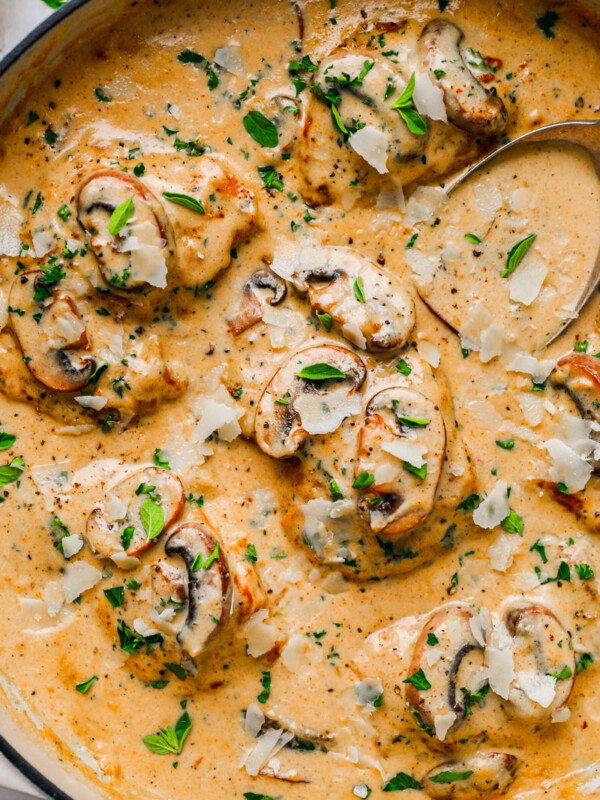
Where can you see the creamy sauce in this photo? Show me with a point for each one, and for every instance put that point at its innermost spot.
(317, 604)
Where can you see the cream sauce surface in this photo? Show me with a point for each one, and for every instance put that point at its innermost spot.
(449, 465)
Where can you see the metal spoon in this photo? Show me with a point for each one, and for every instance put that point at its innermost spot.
(585, 134)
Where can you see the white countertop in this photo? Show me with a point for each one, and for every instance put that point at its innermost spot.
(17, 19)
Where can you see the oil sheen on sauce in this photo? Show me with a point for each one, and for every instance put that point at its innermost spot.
(285, 456)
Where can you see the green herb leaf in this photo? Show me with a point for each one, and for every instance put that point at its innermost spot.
(432, 639)
(159, 461)
(419, 680)
(539, 548)
(127, 536)
(176, 669)
(420, 472)
(265, 682)
(12, 472)
(325, 319)
(115, 596)
(513, 523)
(261, 129)
(363, 480)
(169, 740)
(546, 23)
(403, 368)
(413, 422)
(199, 562)
(85, 686)
(401, 782)
(320, 372)
(562, 675)
(254, 796)
(121, 216)
(153, 518)
(358, 290)
(472, 238)
(517, 254)
(448, 776)
(581, 347)
(250, 554)
(6, 440)
(185, 200)
(584, 571)
(506, 444)
(584, 662)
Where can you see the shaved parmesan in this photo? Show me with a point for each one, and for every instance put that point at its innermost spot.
(124, 561)
(261, 638)
(423, 205)
(501, 671)
(371, 143)
(230, 58)
(494, 508)
(429, 353)
(43, 241)
(492, 341)
(568, 467)
(366, 692)
(500, 553)
(146, 252)
(539, 688)
(480, 626)
(443, 723)
(406, 450)
(325, 413)
(353, 333)
(429, 99)
(561, 715)
(266, 747)
(10, 222)
(538, 369)
(526, 282)
(78, 578)
(532, 406)
(254, 720)
(489, 200)
(293, 654)
(3, 310)
(421, 266)
(216, 413)
(114, 508)
(521, 200)
(71, 545)
(95, 402)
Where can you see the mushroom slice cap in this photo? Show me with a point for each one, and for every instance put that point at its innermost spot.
(292, 408)
(457, 672)
(374, 310)
(541, 651)
(122, 509)
(285, 112)
(401, 444)
(579, 375)
(138, 255)
(209, 587)
(469, 104)
(50, 333)
(250, 311)
(484, 775)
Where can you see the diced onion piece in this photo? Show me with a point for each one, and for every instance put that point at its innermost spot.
(371, 143)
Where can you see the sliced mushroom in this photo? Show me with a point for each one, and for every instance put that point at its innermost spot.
(579, 376)
(454, 676)
(122, 509)
(374, 310)
(250, 311)
(139, 255)
(484, 775)
(305, 739)
(51, 333)
(293, 408)
(208, 584)
(402, 444)
(469, 104)
(541, 652)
